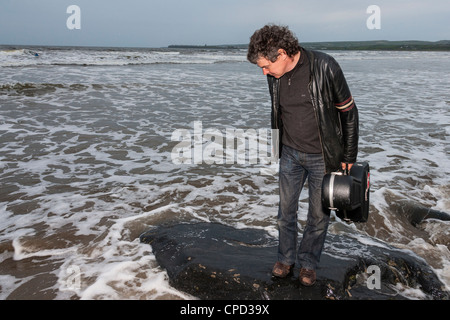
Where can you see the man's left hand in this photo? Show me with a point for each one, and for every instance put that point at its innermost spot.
(347, 166)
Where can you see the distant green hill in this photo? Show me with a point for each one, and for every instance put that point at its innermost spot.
(443, 45)
(381, 45)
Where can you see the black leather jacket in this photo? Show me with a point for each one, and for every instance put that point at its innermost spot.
(335, 110)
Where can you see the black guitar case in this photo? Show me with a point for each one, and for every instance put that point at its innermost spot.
(348, 193)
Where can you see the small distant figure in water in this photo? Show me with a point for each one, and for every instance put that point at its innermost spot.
(33, 53)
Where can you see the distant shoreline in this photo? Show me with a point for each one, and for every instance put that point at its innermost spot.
(443, 45)
(379, 45)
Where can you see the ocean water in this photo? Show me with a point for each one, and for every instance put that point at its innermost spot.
(89, 160)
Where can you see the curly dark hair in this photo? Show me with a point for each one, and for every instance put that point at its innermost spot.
(266, 42)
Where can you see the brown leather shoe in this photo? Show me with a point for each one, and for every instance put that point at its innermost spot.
(282, 270)
(307, 277)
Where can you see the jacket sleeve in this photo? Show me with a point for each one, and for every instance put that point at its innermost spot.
(348, 113)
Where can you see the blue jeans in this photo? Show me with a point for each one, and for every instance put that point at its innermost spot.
(295, 168)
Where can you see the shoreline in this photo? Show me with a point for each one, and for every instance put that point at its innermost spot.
(375, 45)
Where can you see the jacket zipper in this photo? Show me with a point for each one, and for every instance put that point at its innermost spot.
(276, 93)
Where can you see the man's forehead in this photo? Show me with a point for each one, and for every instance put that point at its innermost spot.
(263, 62)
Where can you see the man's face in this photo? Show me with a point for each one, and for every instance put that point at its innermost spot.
(276, 69)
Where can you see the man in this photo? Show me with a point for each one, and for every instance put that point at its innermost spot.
(317, 119)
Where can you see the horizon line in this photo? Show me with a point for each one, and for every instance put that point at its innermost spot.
(224, 46)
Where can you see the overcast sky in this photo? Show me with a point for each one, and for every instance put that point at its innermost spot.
(150, 23)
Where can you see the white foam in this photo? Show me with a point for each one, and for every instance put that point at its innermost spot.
(118, 57)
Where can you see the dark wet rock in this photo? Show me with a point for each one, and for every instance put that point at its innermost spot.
(416, 213)
(212, 261)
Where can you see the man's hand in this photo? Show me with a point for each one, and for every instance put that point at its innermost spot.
(347, 166)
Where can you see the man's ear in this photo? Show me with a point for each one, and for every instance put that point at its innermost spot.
(282, 53)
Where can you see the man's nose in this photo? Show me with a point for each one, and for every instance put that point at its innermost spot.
(265, 72)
